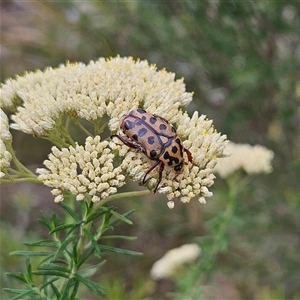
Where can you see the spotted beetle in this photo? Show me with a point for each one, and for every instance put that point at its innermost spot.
(156, 138)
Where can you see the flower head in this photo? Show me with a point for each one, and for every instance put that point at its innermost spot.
(173, 260)
(5, 139)
(110, 88)
(205, 144)
(253, 159)
(82, 170)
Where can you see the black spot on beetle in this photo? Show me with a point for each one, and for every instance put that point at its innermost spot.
(162, 127)
(151, 140)
(153, 153)
(144, 118)
(171, 159)
(141, 111)
(166, 155)
(178, 141)
(153, 120)
(128, 125)
(142, 132)
(173, 129)
(174, 149)
(135, 137)
(175, 159)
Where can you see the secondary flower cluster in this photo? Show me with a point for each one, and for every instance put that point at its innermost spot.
(205, 144)
(82, 170)
(253, 159)
(42, 101)
(168, 265)
(5, 138)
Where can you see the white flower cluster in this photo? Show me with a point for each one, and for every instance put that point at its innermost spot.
(205, 144)
(111, 88)
(175, 258)
(5, 137)
(82, 170)
(253, 159)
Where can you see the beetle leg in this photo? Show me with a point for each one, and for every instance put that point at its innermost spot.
(175, 178)
(189, 155)
(126, 142)
(161, 168)
(150, 169)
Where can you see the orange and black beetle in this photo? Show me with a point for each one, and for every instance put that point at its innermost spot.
(156, 138)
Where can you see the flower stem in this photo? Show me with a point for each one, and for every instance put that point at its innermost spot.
(79, 125)
(122, 195)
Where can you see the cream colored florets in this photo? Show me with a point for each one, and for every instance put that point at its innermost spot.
(5, 138)
(170, 263)
(83, 171)
(253, 159)
(5, 158)
(112, 88)
(205, 144)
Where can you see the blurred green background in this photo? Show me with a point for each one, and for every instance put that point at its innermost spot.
(242, 60)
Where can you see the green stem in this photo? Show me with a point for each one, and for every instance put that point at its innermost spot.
(60, 136)
(122, 195)
(66, 136)
(21, 168)
(86, 211)
(41, 294)
(110, 198)
(102, 128)
(26, 179)
(208, 260)
(80, 126)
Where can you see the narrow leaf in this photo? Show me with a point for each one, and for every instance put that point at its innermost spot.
(19, 276)
(96, 215)
(64, 245)
(45, 284)
(120, 251)
(44, 220)
(122, 237)
(29, 270)
(16, 291)
(65, 226)
(54, 267)
(75, 290)
(93, 241)
(71, 230)
(88, 253)
(69, 210)
(55, 290)
(43, 243)
(48, 258)
(121, 217)
(21, 294)
(91, 285)
(65, 293)
(51, 272)
(30, 253)
(91, 270)
(116, 221)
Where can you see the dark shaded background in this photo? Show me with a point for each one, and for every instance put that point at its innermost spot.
(242, 60)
